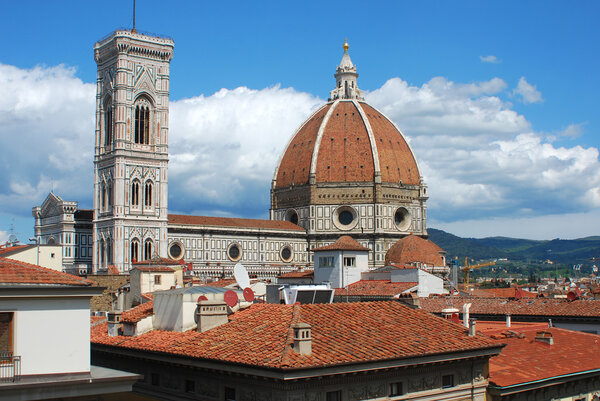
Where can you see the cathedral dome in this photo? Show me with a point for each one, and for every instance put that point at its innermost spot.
(414, 250)
(347, 141)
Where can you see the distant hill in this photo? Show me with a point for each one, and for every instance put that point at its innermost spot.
(558, 250)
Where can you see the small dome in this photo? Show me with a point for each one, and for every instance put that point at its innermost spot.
(414, 249)
(347, 140)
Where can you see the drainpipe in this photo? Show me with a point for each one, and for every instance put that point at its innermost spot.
(466, 308)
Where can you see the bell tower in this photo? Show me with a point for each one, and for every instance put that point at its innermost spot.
(131, 148)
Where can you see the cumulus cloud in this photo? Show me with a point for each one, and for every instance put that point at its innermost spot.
(481, 159)
(489, 59)
(572, 131)
(527, 92)
(46, 136)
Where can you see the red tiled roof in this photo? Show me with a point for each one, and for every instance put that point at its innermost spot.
(222, 283)
(345, 152)
(177, 219)
(157, 262)
(158, 269)
(414, 249)
(11, 249)
(501, 293)
(298, 274)
(112, 269)
(344, 243)
(137, 313)
(375, 287)
(525, 360)
(14, 272)
(342, 333)
(528, 306)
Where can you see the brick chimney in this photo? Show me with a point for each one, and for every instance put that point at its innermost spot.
(544, 337)
(211, 314)
(302, 339)
(114, 323)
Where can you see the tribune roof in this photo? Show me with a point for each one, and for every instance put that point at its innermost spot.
(344, 243)
(342, 333)
(176, 219)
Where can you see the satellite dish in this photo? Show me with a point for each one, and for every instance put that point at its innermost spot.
(190, 267)
(248, 294)
(201, 298)
(241, 275)
(231, 298)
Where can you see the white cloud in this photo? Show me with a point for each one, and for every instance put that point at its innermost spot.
(480, 158)
(528, 92)
(489, 59)
(3, 236)
(572, 131)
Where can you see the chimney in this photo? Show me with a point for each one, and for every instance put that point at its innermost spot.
(466, 308)
(544, 337)
(211, 314)
(302, 339)
(114, 323)
(472, 327)
(508, 320)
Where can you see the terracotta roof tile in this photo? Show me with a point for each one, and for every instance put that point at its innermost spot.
(414, 249)
(524, 359)
(157, 262)
(164, 269)
(137, 313)
(344, 243)
(298, 274)
(501, 293)
(527, 306)
(375, 287)
(224, 282)
(14, 272)
(10, 249)
(177, 219)
(342, 333)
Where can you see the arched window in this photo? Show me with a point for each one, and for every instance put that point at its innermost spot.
(109, 195)
(148, 194)
(142, 122)
(103, 196)
(148, 249)
(108, 122)
(102, 252)
(135, 193)
(135, 247)
(109, 252)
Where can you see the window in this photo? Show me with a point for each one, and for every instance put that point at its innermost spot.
(109, 201)
(148, 194)
(76, 252)
(396, 389)
(103, 197)
(175, 250)
(148, 249)
(108, 252)
(349, 261)
(333, 395)
(6, 332)
(108, 123)
(286, 253)
(83, 238)
(135, 246)
(155, 379)
(190, 386)
(229, 394)
(447, 381)
(102, 252)
(157, 279)
(142, 122)
(326, 261)
(135, 194)
(234, 252)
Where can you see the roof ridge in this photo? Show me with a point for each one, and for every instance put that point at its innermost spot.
(289, 340)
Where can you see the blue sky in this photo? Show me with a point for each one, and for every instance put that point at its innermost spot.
(497, 99)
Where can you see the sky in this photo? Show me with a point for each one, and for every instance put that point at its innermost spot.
(497, 99)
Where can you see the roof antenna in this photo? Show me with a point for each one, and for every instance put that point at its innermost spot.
(133, 30)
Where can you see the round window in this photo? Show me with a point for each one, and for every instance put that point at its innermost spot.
(234, 252)
(402, 218)
(286, 253)
(175, 250)
(345, 217)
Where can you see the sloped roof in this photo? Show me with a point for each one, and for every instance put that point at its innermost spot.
(298, 274)
(528, 306)
(4, 251)
(414, 249)
(175, 219)
(137, 313)
(342, 333)
(344, 243)
(525, 360)
(154, 269)
(375, 287)
(17, 273)
(502, 293)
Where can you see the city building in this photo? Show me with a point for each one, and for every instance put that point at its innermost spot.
(347, 170)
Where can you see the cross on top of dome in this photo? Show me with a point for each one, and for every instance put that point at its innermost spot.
(345, 75)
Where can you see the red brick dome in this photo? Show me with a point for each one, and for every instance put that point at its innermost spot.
(412, 250)
(347, 140)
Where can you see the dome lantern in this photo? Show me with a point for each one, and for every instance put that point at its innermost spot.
(345, 75)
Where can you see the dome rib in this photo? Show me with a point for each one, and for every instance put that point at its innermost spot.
(315, 155)
(374, 151)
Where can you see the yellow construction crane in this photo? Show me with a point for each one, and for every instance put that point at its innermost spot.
(467, 268)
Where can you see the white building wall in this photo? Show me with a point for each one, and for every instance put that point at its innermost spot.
(340, 276)
(427, 283)
(50, 256)
(51, 335)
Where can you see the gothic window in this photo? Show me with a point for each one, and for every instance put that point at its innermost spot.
(108, 252)
(148, 194)
(102, 252)
(103, 196)
(142, 122)
(109, 195)
(108, 122)
(135, 246)
(148, 249)
(135, 193)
